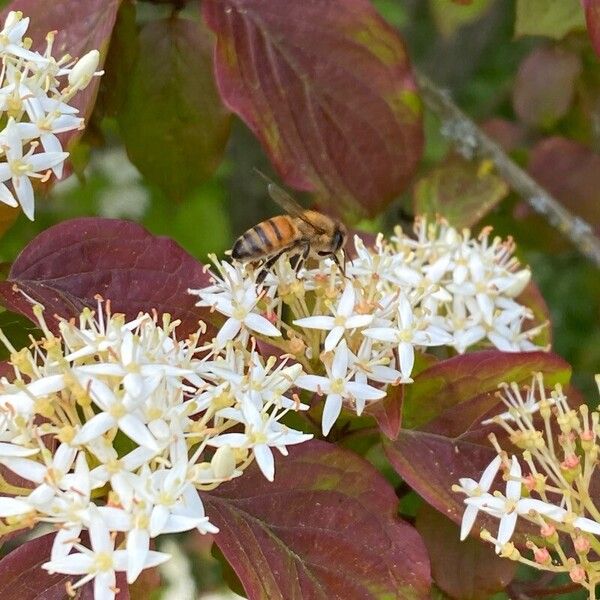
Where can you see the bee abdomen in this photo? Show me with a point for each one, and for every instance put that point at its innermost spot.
(265, 238)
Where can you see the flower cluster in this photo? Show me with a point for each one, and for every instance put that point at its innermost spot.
(114, 427)
(357, 331)
(35, 91)
(551, 484)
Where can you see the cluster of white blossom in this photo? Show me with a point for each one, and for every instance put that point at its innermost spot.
(357, 331)
(550, 485)
(114, 427)
(35, 91)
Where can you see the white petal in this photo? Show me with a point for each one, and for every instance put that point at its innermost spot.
(24, 192)
(228, 331)
(333, 337)
(73, 564)
(319, 322)
(468, 520)
(339, 367)
(46, 160)
(367, 392)
(331, 411)
(385, 334)
(259, 324)
(138, 545)
(264, 459)
(158, 520)
(11, 507)
(513, 488)
(104, 585)
(357, 321)
(135, 429)
(489, 474)
(586, 524)
(6, 196)
(405, 312)
(346, 303)
(506, 529)
(94, 428)
(406, 354)
(313, 383)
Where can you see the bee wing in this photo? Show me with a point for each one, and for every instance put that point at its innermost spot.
(291, 206)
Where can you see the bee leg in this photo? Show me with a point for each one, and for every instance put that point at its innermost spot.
(341, 265)
(301, 257)
(266, 266)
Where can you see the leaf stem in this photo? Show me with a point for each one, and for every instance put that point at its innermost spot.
(472, 141)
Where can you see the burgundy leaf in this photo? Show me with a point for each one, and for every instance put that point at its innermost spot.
(545, 85)
(325, 529)
(571, 172)
(452, 382)
(468, 570)
(592, 18)
(67, 265)
(81, 25)
(388, 412)
(326, 86)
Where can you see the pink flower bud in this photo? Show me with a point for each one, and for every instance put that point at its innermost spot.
(529, 482)
(577, 574)
(547, 530)
(581, 544)
(541, 556)
(570, 462)
(587, 436)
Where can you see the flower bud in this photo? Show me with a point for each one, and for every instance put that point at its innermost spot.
(83, 71)
(548, 531)
(509, 551)
(223, 462)
(581, 545)
(541, 556)
(570, 467)
(577, 574)
(520, 281)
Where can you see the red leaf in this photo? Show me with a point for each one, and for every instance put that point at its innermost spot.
(450, 401)
(571, 172)
(462, 378)
(326, 86)
(468, 570)
(80, 25)
(388, 412)
(545, 85)
(592, 18)
(65, 266)
(325, 529)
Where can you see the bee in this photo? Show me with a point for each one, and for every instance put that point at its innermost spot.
(301, 233)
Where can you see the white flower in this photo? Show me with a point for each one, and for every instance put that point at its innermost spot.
(474, 489)
(101, 562)
(503, 508)
(408, 332)
(262, 431)
(20, 167)
(337, 387)
(344, 319)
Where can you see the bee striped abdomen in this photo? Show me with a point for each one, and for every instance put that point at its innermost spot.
(265, 238)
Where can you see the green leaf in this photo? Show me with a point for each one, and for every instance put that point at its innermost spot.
(17, 329)
(461, 191)
(449, 17)
(550, 18)
(173, 122)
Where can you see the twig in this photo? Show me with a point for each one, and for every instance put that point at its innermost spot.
(471, 141)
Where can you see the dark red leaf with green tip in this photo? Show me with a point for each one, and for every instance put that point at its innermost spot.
(592, 18)
(326, 86)
(67, 265)
(462, 378)
(468, 570)
(81, 26)
(325, 529)
(22, 576)
(545, 85)
(454, 396)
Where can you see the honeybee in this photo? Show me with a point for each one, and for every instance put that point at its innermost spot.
(301, 233)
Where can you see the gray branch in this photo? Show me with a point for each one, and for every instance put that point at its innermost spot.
(472, 142)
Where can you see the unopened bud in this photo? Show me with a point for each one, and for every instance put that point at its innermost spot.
(581, 545)
(541, 556)
(223, 462)
(577, 574)
(296, 346)
(83, 71)
(509, 551)
(570, 467)
(520, 281)
(548, 531)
